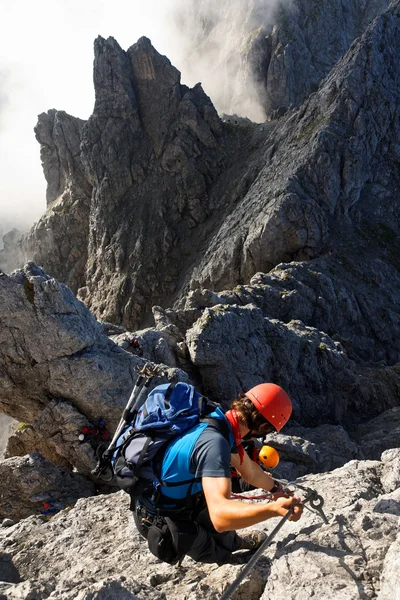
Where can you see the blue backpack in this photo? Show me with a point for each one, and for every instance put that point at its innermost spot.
(169, 411)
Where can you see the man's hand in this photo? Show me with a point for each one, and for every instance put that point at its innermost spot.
(281, 492)
(282, 505)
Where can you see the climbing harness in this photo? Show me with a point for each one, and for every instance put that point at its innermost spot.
(316, 502)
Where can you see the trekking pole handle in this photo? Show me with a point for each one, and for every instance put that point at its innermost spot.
(128, 412)
(136, 392)
(138, 402)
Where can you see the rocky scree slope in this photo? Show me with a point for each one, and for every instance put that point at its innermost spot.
(93, 550)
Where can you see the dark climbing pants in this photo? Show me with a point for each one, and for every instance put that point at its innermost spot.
(196, 538)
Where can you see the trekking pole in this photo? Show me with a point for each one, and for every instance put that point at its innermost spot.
(254, 559)
(135, 401)
(139, 384)
(315, 500)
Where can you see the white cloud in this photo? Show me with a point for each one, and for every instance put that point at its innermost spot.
(46, 59)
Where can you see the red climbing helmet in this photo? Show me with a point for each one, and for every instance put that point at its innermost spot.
(272, 402)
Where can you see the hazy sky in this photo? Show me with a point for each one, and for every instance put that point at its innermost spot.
(46, 60)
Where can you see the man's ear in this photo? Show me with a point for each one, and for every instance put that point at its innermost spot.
(242, 420)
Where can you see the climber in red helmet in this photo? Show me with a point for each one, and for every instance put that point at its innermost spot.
(262, 410)
(204, 523)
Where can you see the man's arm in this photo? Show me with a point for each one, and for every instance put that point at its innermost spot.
(228, 515)
(252, 472)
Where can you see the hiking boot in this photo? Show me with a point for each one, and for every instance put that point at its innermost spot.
(252, 540)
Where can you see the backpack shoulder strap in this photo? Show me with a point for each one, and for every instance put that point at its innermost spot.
(218, 424)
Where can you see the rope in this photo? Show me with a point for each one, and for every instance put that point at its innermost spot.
(260, 497)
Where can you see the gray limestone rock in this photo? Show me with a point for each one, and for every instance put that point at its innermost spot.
(59, 136)
(259, 58)
(235, 347)
(155, 200)
(7, 426)
(179, 200)
(95, 542)
(7, 523)
(168, 143)
(307, 41)
(26, 440)
(33, 485)
(13, 253)
(59, 240)
(315, 188)
(321, 293)
(59, 372)
(317, 450)
(379, 434)
(390, 580)
(391, 469)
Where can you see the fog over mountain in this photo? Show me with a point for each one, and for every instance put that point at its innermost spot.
(211, 45)
(194, 35)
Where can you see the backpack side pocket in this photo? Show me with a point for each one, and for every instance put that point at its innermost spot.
(159, 539)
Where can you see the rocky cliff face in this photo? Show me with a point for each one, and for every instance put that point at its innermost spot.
(154, 195)
(309, 39)
(258, 59)
(255, 252)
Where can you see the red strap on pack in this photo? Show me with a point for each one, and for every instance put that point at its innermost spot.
(233, 419)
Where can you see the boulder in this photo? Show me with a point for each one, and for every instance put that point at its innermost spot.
(25, 440)
(59, 372)
(304, 450)
(33, 485)
(235, 347)
(379, 434)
